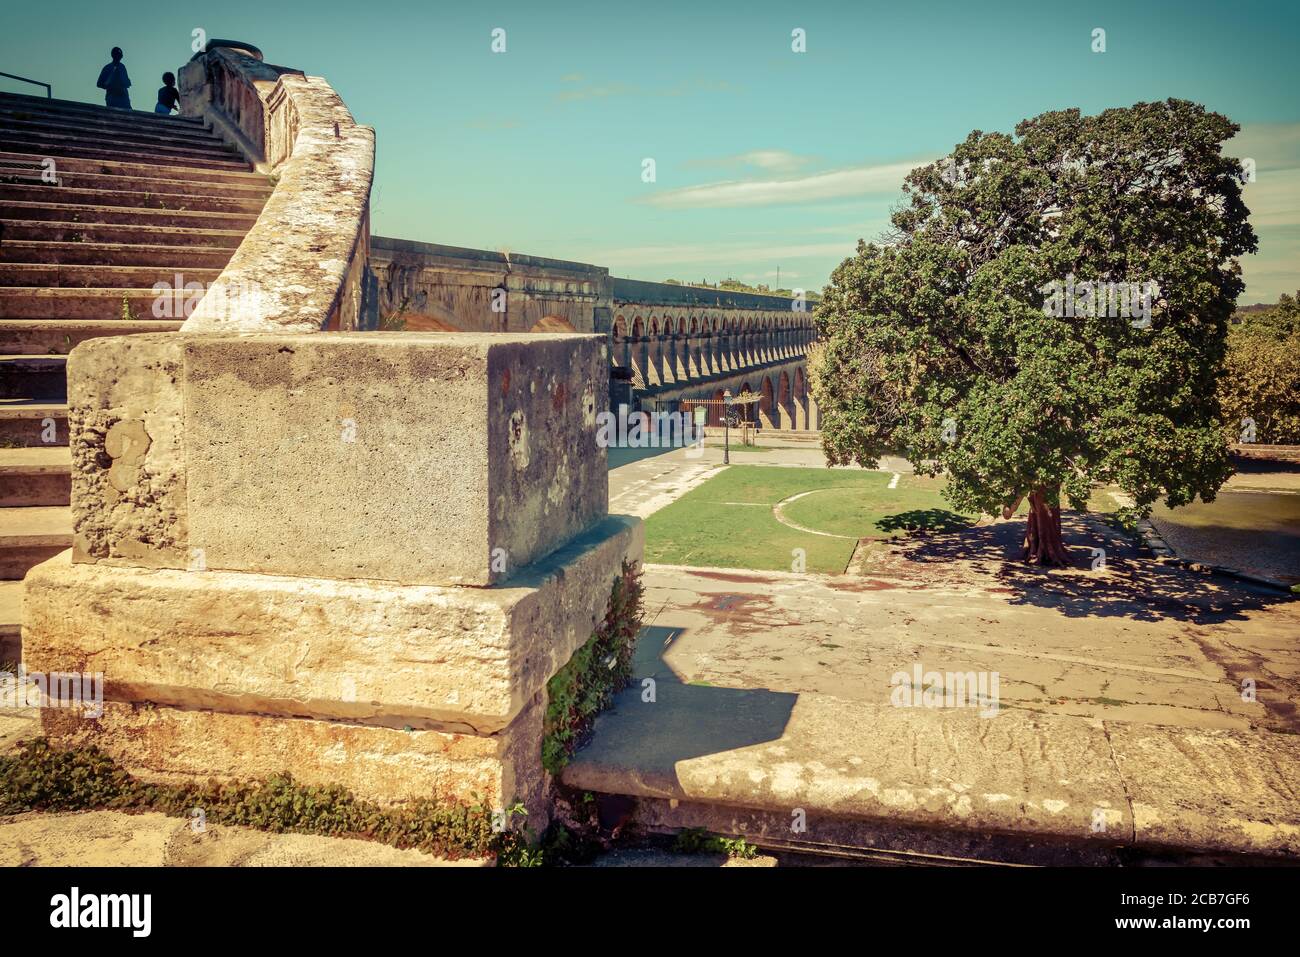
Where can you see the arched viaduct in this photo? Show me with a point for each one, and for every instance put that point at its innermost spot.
(675, 342)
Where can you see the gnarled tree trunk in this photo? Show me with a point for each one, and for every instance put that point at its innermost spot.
(1043, 543)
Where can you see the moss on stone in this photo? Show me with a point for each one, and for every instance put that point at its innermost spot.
(38, 777)
(586, 685)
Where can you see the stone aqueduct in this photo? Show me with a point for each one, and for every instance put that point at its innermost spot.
(675, 342)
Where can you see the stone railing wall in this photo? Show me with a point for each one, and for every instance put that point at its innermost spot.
(422, 287)
(669, 341)
(300, 267)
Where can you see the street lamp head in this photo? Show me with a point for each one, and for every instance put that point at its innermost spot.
(726, 396)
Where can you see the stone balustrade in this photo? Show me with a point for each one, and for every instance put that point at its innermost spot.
(300, 268)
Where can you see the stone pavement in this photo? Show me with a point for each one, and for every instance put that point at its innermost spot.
(1134, 641)
(1120, 692)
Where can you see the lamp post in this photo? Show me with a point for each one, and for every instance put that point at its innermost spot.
(726, 427)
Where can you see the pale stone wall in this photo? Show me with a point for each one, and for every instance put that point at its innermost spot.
(449, 288)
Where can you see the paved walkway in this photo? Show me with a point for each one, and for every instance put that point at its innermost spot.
(1134, 641)
(1119, 702)
(1253, 525)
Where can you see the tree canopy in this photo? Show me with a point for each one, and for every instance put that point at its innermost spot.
(1001, 333)
(1260, 390)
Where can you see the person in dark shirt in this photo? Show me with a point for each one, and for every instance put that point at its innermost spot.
(114, 81)
(169, 97)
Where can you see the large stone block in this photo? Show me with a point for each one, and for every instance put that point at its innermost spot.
(424, 656)
(413, 458)
(418, 458)
(385, 765)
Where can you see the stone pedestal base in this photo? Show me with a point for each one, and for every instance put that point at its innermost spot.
(395, 691)
(168, 745)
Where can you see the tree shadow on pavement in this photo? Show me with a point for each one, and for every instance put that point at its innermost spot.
(1108, 576)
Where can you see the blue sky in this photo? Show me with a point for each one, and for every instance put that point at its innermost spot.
(764, 158)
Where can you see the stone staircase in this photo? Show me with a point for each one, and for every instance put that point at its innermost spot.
(138, 199)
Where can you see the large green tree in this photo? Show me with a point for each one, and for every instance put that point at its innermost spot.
(948, 341)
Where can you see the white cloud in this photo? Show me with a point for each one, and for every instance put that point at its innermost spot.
(1274, 203)
(1274, 198)
(832, 184)
(771, 161)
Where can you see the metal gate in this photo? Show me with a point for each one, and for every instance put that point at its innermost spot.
(743, 410)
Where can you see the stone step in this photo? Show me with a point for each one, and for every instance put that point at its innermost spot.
(60, 107)
(124, 254)
(49, 194)
(11, 616)
(54, 141)
(28, 423)
(70, 232)
(90, 113)
(107, 184)
(66, 149)
(86, 276)
(98, 304)
(35, 476)
(35, 210)
(29, 536)
(809, 770)
(33, 377)
(91, 127)
(101, 166)
(38, 337)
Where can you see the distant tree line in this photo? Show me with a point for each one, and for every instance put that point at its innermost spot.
(735, 285)
(1260, 386)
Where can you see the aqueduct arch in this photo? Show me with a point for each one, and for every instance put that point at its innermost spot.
(765, 403)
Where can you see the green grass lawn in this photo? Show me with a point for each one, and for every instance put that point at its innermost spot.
(729, 522)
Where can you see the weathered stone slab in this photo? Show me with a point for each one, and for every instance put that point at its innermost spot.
(833, 757)
(123, 839)
(1215, 790)
(384, 765)
(466, 659)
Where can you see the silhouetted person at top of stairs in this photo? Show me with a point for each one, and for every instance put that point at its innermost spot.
(169, 97)
(114, 81)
